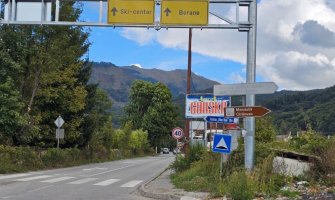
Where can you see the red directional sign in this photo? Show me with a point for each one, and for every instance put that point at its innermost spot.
(251, 111)
(177, 133)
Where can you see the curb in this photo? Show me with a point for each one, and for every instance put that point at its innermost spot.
(153, 195)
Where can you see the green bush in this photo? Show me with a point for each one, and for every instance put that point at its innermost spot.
(267, 182)
(195, 153)
(55, 158)
(239, 186)
(202, 176)
(18, 159)
(323, 169)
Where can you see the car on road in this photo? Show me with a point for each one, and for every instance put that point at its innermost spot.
(166, 150)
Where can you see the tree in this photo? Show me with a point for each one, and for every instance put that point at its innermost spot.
(150, 108)
(265, 132)
(51, 79)
(138, 141)
(97, 116)
(11, 104)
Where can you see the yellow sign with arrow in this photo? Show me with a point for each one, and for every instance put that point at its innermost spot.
(131, 12)
(186, 12)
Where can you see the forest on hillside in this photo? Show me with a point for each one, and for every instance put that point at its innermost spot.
(293, 111)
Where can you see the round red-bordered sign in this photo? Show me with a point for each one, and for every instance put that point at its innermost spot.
(177, 133)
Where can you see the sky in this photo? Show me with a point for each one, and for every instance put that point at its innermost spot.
(295, 45)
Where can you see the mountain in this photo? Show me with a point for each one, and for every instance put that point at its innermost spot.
(291, 110)
(116, 81)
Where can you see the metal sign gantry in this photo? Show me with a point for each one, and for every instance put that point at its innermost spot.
(12, 9)
(10, 12)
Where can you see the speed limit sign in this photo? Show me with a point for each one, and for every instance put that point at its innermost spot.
(177, 133)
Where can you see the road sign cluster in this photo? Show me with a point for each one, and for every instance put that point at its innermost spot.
(172, 12)
(218, 109)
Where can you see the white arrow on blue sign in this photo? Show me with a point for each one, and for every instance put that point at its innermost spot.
(222, 143)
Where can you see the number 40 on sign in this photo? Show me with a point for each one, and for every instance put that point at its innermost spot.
(177, 133)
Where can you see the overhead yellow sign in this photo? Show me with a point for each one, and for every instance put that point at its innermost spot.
(184, 12)
(131, 12)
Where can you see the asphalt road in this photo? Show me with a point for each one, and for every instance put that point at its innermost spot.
(117, 180)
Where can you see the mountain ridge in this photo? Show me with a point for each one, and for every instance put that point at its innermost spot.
(291, 110)
(116, 80)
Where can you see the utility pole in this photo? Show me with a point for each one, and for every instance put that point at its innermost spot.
(188, 87)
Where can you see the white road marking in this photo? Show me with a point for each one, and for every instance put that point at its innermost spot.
(34, 178)
(81, 181)
(34, 190)
(110, 171)
(57, 179)
(131, 183)
(187, 198)
(13, 176)
(95, 168)
(107, 182)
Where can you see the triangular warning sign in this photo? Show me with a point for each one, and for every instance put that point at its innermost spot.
(221, 145)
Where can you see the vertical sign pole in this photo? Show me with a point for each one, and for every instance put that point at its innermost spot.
(9, 15)
(100, 12)
(42, 11)
(251, 74)
(188, 87)
(57, 11)
(221, 166)
(58, 131)
(14, 10)
(177, 149)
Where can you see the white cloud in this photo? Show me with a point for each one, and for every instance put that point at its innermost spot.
(237, 78)
(141, 36)
(292, 59)
(301, 71)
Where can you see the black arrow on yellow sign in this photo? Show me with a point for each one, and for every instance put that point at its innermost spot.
(114, 10)
(167, 11)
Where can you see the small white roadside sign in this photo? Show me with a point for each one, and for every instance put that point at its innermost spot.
(59, 122)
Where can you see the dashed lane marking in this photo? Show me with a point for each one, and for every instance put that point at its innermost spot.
(107, 182)
(34, 178)
(81, 181)
(13, 176)
(131, 183)
(57, 179)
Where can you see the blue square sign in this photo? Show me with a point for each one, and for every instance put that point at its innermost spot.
(222, 143)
